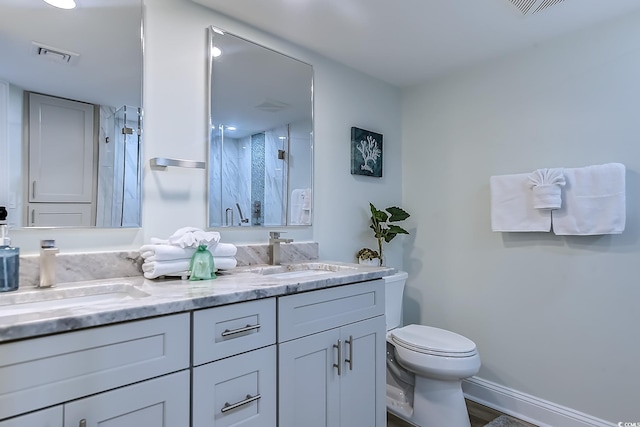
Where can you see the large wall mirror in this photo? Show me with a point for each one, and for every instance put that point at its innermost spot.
(71, 113)
(261, 145)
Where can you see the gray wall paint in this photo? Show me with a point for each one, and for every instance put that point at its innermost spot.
(554, 317)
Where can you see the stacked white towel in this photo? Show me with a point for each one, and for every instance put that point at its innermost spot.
(172, 256)
(512, 205)
(594, 201)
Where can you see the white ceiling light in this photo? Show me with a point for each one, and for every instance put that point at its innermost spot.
(216, 51)
(62, 4)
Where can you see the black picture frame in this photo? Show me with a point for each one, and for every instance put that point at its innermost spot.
(366, 152)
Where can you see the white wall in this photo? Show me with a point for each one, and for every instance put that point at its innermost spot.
(175, 126)
(553, 317)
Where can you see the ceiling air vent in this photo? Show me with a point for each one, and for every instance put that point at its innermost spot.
(530, 7)
(272, 105)
(53, 54)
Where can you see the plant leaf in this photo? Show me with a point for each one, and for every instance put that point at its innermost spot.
(397, 214)
(397, 230)
(376, 215)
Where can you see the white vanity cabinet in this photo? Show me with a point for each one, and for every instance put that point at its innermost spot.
(331, 367)
(64, 369)
(234, 357)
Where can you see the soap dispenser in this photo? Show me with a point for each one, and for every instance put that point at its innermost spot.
(9, 257)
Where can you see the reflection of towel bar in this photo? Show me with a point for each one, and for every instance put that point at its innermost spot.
(162, 163)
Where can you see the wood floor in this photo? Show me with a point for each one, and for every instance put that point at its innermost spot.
(479, 415)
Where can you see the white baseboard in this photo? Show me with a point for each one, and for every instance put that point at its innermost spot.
(526, 407)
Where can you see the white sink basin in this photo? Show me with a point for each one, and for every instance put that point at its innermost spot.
(300, 270)
(47, 299)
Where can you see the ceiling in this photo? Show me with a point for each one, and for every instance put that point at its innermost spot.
(406, 42)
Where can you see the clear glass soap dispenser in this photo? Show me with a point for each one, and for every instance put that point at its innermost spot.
(9, 257)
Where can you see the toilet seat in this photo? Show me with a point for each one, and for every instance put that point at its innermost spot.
(433, 341)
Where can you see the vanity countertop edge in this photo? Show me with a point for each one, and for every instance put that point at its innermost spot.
(172, 296)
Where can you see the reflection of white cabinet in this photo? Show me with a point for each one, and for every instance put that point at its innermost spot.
(331, 370)
(59, 215)
(61, 157)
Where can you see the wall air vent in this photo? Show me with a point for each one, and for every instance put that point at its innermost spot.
(53, 54)
(530, 7)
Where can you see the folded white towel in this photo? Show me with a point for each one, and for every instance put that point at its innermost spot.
(546, 185)
(190, 237)
(164, 252)
(594, 201)
(154, 269)
(512, 205)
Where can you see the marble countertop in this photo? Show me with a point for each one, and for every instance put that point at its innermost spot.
(139, 298)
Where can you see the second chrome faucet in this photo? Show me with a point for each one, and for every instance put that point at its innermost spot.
(274, 245)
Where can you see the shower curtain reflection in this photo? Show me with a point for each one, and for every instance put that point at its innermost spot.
(119, 176)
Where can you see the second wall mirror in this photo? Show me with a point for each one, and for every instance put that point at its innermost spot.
(261, 135)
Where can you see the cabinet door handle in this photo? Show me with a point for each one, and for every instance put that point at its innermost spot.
(83, 423)
(228, 332)
(339, 364)
(33, 216)
(33, 189)
(230, 406)
(350, 359)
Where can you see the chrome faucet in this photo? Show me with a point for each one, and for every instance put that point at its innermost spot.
(48, 253)
(274, 244)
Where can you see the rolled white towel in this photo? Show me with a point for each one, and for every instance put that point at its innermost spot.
(154, 269)
(546, 185)
(164, 252)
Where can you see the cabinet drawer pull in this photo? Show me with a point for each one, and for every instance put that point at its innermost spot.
(229, 406)
(228, 332)
(350, 359)
(83, 423)
(339, 364)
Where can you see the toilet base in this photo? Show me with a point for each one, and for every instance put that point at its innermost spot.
(436, 403)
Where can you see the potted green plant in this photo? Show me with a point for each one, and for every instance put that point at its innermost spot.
(383, 231)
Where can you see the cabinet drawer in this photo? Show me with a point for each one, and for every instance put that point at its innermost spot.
(238, 391)
(316, 311)
(41, 372)
(221, 332)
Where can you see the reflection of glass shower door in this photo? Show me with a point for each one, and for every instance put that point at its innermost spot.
(120, 170)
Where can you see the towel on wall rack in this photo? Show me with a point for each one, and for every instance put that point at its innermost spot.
(546, 185)
(512, 205)
(594, 201)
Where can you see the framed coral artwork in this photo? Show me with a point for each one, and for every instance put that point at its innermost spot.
(366, 152)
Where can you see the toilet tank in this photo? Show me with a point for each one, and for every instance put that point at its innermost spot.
(394, 289)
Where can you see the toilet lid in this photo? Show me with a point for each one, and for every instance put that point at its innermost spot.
(434, 341)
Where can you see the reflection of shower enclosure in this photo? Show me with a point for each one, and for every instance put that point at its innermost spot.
(248, 175)
(119, 175)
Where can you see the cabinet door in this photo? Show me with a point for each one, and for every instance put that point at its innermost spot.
(51, 417)
(363, 380)
(239, 391)
(161, 402)
(308, 381)
(61, 150)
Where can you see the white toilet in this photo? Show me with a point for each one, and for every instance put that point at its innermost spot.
(425, 367)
